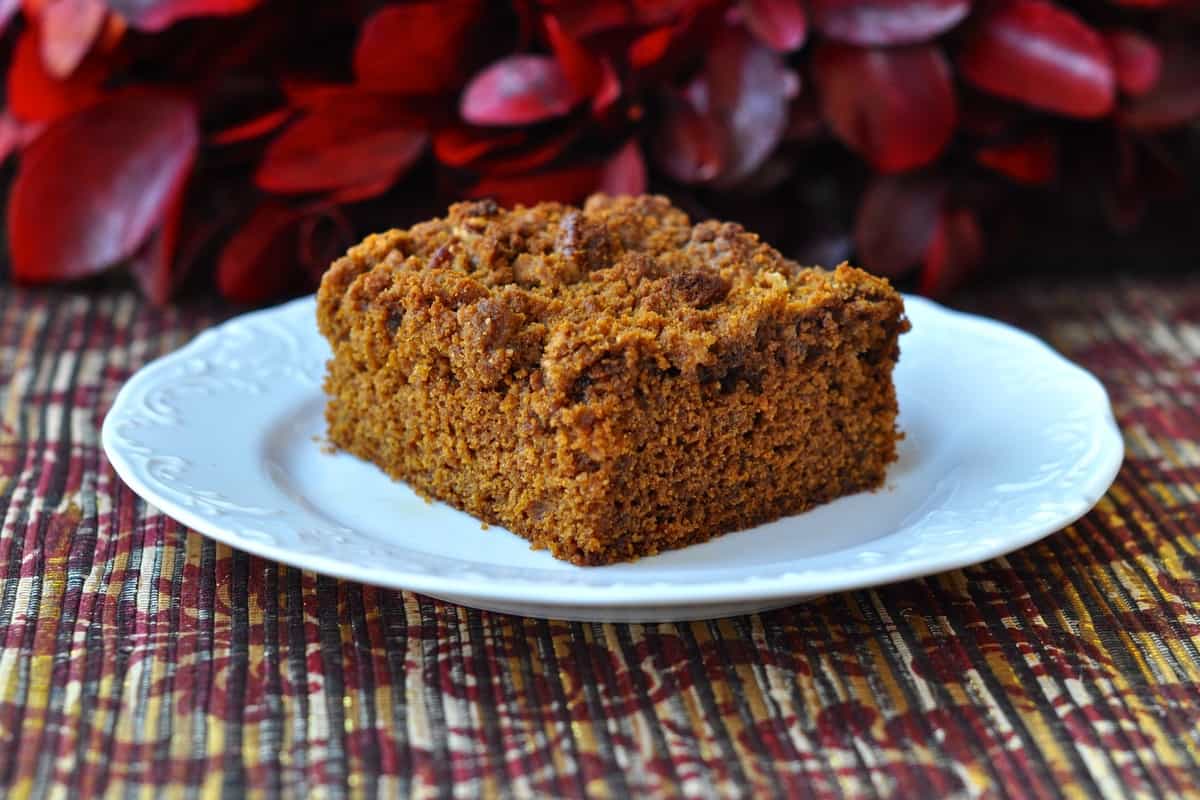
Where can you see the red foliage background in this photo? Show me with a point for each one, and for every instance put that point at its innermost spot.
(263, 137)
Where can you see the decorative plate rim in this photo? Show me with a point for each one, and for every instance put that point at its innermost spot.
(135, 463)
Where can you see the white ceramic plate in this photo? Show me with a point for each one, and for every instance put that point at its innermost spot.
(1006, 442)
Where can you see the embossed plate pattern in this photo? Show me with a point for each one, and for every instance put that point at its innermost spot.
(1006, 442)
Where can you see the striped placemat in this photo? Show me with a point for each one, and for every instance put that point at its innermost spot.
(139, 658)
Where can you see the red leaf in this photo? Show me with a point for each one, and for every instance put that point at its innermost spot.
(16, 135)
(688, 145)
(324, 235)
(152, 264)
(280, 250)
(111, 34)
(886, 22)
(1034, 160)
(338, 99)
(582, 68)
(1042, 55)
(566, 185)
(315, 94)
(1175, 98)
(460, 145)
(989, 117)
(747, 88)
(10, 136)
(252, 128)
(518, 90)
(69, 27)
(609, 91)
(36, 95)
(805, 123)
(1136, 59)
(657, 12)
(335, 100)
(780, 24)
(625, 172)
(1126, 197)
(417, 48)
(581, 20)
(362, 191)
(110, 174)
(261, 262)
(895, 107)
(154, 15)
(954, 252)
(895, 223)
(1144, 3)
(7, 9)
(538, 153)
(343, 145)
(649, 48)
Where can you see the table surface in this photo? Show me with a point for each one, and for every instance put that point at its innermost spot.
(137, 656)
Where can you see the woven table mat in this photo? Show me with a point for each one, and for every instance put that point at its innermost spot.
(137, 657)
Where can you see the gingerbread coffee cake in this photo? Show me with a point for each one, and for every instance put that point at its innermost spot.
(609, 381)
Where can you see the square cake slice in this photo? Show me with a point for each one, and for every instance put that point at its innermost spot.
(612, 381)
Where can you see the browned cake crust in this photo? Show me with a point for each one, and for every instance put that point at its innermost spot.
(609, 382)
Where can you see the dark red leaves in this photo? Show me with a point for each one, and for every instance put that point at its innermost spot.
(343, 144)
(1033, 160)
(334, 105)
(954, 252)
(252, 129)
(895, 107)
(532, 156)
(152, 265)
(989, 117)
(608, 92)
(1136, 59)
(92, 187)
(746, 90)
(625, 172)
(566, 185)
(315, 94)
(731, 117)
(1126, 197)
(1042, 55)
(69, 27)
(657, 12)
(1144, 3)
(36, 95)
(15, 134)
(583, 19)
(688, 144)
(500, 153)
(886, 22)
(460, 146)
(260, 261)
(906, 222)
(780, 24)
(583, 69)
(359, 192)
(518, 90)
(1175, 98)
(280, 249)
(154, 15)
(896, 221)
(805, 123)
(417, 48)
(650, 48)
(8, 8)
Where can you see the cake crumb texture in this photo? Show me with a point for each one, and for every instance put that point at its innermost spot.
(609, 381)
